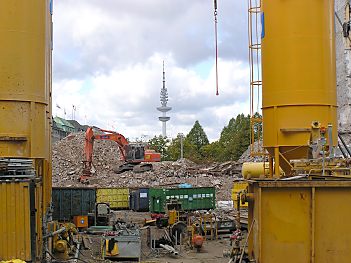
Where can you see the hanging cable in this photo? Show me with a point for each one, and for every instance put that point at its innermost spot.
(216, 43)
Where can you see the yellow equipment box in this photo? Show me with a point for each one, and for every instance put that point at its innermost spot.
(238, 186)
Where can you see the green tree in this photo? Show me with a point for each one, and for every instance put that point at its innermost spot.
(190, 150)
(233, 141)
(174, 149)
(211, 151)
(235, 138)
(197, 136)
(160, 144)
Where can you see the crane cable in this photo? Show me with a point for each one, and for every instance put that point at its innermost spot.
(216, 43)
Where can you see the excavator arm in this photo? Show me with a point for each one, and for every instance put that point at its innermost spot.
(130, 154)
(116, 137)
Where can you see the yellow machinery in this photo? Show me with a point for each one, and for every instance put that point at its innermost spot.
(256, 170)
(239, 186)
(173, 216)
(25, 129)
(298, 216)
(62, 240)
(298, 76)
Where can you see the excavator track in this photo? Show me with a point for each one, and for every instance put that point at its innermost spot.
(135, 167)
(144, 167)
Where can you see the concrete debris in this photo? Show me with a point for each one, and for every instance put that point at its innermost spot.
(68, 159)
(246, 157)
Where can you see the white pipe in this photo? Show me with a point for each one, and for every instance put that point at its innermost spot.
(169, 249)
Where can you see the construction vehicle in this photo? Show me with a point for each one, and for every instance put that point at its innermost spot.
(136, 156)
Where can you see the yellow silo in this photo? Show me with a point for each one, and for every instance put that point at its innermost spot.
(25, 123)
(298, 75)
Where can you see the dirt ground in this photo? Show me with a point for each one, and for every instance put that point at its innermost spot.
(212, 250)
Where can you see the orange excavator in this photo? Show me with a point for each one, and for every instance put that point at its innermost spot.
(136, 156)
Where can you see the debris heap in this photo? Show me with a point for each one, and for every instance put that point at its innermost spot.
(68, 157)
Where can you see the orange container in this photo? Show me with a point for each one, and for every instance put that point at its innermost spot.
(80, 221)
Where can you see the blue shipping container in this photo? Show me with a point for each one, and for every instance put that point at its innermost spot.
(140, 200)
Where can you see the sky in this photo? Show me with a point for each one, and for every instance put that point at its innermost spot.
(107, 62)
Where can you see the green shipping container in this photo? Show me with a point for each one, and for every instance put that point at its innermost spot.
(200, 198)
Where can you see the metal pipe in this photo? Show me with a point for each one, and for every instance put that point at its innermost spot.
(238, 199)
(76, 255)
(176, 238)
(55, 233)
(245, 244)
(344, 144)
(169, 249)
(180, 243)
(323, 161)
(297, 177)
(271, 167)
(276, 163)
(342, 151)
(330, 140)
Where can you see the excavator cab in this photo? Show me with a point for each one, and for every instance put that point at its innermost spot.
(134, 153)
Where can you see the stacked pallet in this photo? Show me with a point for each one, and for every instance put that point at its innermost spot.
(18, 168)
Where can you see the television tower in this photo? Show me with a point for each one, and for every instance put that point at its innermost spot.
(164, 108)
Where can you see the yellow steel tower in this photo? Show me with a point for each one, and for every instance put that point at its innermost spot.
(25, 126)
(299, 217)
(298, 75)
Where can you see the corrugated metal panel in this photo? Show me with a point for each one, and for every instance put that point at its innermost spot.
(15, 224)
(118, 198)
(69, 202)
(201, 198)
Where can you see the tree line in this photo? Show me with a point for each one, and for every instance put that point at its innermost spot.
(234, 140)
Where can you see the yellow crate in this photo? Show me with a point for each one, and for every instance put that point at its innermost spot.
(118, 198)
(17, 225)
(237, 187)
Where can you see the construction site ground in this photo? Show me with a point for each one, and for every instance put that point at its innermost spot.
(68, 157)
(212, 250)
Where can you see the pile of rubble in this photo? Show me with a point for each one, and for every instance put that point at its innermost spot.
(246, 156)
(68, 156)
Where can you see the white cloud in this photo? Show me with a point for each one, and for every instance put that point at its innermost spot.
(108, 62)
